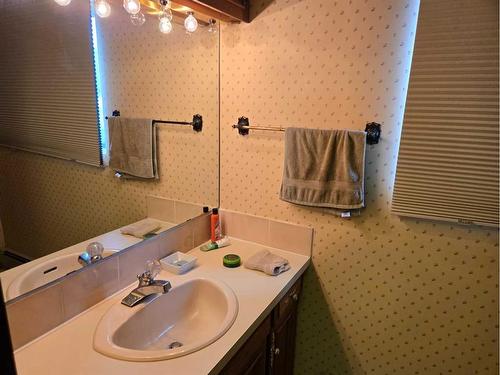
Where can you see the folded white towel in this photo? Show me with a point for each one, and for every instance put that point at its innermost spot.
(268, 263)
(140, 229)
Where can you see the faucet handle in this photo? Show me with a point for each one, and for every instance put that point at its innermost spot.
(95, 250)
(84, 259)
(153, 268)
(93, 253)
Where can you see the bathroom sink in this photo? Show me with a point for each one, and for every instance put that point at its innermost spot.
(46, 272)
(191, 316)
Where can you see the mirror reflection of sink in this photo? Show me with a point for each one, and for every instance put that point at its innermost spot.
(45, 272)
(189, 317)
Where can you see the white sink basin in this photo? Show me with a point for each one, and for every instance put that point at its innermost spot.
(46, 272)
(193, 314)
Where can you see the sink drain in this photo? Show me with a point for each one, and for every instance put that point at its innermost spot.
(175, 344)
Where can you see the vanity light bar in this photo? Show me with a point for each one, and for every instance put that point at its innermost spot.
(162, 7)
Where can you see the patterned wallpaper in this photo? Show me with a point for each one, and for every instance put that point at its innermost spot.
(384, 295)
(47, 204)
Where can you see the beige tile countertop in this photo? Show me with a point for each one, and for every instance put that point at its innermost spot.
(68, 349)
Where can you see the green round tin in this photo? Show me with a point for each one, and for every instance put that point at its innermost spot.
(231, 260)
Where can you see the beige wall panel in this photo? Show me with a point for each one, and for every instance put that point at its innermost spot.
(383, 296)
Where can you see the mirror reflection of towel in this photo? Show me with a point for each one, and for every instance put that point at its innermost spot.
(133, 146)
(140, 229)
(324, 168)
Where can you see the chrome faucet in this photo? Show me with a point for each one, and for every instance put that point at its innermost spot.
(147, 285)
(92, 254)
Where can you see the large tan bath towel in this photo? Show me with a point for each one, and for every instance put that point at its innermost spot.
(133, 146)
(324, 168)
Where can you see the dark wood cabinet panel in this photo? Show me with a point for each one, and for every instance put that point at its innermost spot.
(284, 326)
(251, 359)
(258, 366)
(271, 348)
(287, 304)
(283, 351)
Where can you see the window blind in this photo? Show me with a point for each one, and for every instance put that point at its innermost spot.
(448, 159)
(47, 85)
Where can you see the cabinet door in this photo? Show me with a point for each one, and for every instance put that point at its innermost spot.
(258, 367)
(282, 349)
(287, 305)
(251, 359)
(270, 350)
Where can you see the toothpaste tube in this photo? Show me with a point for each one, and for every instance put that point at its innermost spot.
(224, 241)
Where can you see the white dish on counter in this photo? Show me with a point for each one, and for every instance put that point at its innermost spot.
(178, 262)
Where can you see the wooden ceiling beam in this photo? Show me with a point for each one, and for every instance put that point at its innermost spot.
(224, 10)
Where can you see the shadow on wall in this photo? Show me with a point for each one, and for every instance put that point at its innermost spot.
(319, 344)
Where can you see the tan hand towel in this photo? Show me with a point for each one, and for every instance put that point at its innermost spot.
(133, 146)
(324, 168)
(268, 263)
(139, 230)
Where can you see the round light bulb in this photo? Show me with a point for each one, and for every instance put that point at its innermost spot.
(63, 3)
(190, 23)
(132, 6)
(165, 25)
(102, 8)
(137, 19)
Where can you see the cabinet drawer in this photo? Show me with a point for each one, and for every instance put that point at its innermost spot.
(287, 304)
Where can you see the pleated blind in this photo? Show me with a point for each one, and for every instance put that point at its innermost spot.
(47, 86)
(448, 158)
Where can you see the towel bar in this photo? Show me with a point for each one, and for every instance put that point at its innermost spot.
(373, 129)
(197, 122)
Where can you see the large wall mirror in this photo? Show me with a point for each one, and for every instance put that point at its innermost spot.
(52, 207)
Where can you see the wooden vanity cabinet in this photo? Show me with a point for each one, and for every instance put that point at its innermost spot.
(271, 348)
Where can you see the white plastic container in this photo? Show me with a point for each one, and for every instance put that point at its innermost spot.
(178, 262)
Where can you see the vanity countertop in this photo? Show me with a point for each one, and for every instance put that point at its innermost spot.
(68, 349)
(113, 240)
